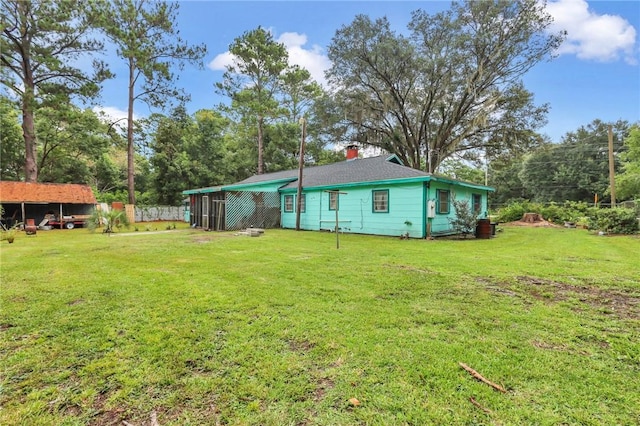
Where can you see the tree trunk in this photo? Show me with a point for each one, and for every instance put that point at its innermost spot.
(130, 147)
(531, 218)
(30, 144)
(260, 145)
(28, 103)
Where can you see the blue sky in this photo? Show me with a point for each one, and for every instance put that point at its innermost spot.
(596, 74)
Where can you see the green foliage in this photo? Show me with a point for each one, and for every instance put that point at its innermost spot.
(615, 221)
(504, 176)
(147, 39)
(461, 171)
(575, 169)
(8, 235)
(120, 196)
(554, 213)
(515, 210)
(170, 162)
(11, 142)
(42, 43)
(208, 152)
(268, 97)
(111, 220)
(109, 176)
(466, 219)
(74, 146)
(253, 80)
(570, 211)
(72, 142)
(451, 86)
(628, 182)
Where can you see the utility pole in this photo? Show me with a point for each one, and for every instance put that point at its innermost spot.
(612, 177)
(486, 168)
(300, 166)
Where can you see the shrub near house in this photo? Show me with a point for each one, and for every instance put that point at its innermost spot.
(618, 220)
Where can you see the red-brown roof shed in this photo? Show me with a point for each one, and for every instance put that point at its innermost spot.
(34, 202)
(67, 193)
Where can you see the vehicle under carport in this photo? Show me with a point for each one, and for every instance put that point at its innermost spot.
(47, 204)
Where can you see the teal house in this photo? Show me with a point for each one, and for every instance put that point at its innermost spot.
(376, 195)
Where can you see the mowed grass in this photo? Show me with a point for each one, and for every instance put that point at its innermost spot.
(193, 328)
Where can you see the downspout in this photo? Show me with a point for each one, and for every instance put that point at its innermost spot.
(425, 198)
(320, 213)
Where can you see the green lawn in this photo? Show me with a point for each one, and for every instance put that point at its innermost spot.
(190, 327)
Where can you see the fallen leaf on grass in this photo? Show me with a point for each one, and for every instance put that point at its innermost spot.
(354, 402)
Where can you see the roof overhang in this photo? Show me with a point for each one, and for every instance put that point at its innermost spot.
(237, 187)
(399, 181)
(202, 190)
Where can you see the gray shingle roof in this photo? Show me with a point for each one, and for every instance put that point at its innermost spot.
(358, 170)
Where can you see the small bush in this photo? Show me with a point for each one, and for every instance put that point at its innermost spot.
(569, 211)
(554, 213)
(111, 220)
(514, 211)
(615, 221)
(465, 220)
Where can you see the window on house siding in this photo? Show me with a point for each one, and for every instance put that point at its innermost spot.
(381, 201)
(333, 200)
(288, 203)
(477, 202)
(303, 203)
(442, 202)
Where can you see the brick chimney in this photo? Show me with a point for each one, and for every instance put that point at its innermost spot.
(352, 152)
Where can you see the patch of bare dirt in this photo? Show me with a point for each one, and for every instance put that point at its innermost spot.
(544, 345)
(534, 220)
(301, 346)
(322, 386)
(106, 417)
(564, 348)
(623, 303)
(206, 237)
(409, 268)
(538, 224)
(323, 383)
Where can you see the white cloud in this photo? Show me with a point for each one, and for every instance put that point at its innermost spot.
(311, 58)
(113, 115)
(590, 36)
(220, 62)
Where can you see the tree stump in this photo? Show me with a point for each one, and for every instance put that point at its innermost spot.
(531, 217)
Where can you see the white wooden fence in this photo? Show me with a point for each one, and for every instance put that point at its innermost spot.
(153, 213)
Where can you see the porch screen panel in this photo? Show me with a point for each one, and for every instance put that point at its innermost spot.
(252, 209)
(205, 212)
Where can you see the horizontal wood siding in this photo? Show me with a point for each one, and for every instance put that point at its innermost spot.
(356, 213)
(308, 219)
(441, 223)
